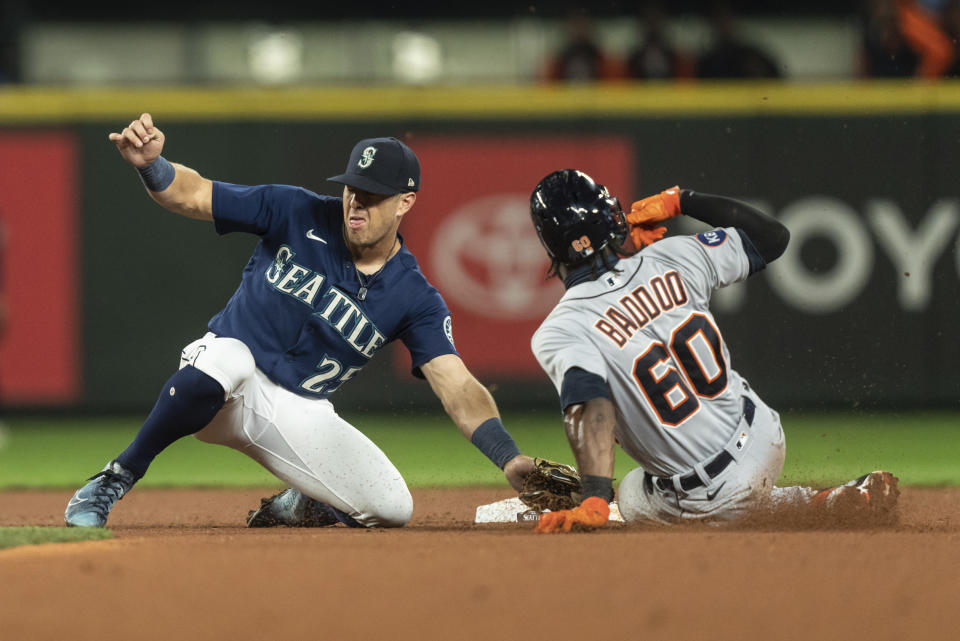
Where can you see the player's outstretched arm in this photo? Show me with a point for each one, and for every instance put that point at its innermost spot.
(175, 187)
(472, 408)
(768, 234)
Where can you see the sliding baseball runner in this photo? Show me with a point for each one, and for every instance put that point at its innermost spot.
(638, 360)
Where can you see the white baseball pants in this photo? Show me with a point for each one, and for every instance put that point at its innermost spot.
(301, 440)
(745, 484)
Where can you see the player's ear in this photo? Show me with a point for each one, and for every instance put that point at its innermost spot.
(406, 202)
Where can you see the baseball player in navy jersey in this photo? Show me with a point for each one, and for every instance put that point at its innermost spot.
(329, 283)
(638, 360)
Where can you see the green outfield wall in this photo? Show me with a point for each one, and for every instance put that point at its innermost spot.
(859, 313)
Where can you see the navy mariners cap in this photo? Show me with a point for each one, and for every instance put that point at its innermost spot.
(381, 166)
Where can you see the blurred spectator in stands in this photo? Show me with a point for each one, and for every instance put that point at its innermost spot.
(730, 55)
(904, 38)
(951, 27)
(654, 57)
(886, 53)
(921, 26)
(581, 59)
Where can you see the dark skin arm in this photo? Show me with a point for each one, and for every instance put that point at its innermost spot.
(589, 428)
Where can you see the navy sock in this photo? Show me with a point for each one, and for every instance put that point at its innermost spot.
(343, 517)
(189, 401)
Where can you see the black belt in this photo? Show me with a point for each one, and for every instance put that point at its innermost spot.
(714, 467)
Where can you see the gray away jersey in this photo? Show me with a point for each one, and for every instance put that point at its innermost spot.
(648, 332)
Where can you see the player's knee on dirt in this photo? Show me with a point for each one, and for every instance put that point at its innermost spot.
(395, 511)
(400, 513)
(226, 360)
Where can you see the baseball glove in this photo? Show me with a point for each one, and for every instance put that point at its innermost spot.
(550, 485)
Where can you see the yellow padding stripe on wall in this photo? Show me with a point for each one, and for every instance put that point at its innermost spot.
(626, 100)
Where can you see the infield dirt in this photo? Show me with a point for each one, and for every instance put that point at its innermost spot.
(182, 566)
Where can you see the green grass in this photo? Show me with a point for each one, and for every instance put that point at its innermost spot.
(920, 448)
(14, 536)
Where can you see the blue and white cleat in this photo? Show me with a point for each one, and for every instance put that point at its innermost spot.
(292, 508)
(91, 504)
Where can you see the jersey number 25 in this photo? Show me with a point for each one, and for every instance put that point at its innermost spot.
(697, 347)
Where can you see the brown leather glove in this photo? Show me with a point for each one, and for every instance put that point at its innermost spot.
(550, 485)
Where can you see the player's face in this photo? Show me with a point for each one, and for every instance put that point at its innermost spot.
(371, 219)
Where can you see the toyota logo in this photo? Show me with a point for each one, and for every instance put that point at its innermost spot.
(486, 258)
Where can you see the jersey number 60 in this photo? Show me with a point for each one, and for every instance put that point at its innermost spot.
(697, 347)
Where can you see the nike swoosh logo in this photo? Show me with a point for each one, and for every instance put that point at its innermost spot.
(313, 236)
(711, 495)
(76, 501)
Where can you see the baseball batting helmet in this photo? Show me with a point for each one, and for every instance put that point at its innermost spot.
(576, 218)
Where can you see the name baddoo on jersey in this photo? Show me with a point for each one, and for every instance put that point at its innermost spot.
(661, 293)
(336, 308)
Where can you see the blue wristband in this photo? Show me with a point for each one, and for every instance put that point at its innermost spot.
(158, 175)
(492, 439)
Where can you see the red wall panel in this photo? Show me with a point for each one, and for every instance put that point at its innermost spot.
(39, 356)
(471, 231)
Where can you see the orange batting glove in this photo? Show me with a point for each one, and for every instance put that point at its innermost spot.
(643, 236)
(644, 214)
(592, 512)
(655, 209)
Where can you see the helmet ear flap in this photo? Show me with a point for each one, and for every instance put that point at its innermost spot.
(543, 242)
(620, 229)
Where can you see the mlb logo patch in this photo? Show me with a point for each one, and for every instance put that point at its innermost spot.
(713, 237)
(742, 440)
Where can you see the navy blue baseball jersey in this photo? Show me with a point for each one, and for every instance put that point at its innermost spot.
(297, 307)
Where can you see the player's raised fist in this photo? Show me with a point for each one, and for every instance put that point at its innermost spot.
(140, 142)
(655, 209)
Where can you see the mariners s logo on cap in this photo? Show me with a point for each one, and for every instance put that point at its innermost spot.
(381, 166)
(367, 158)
